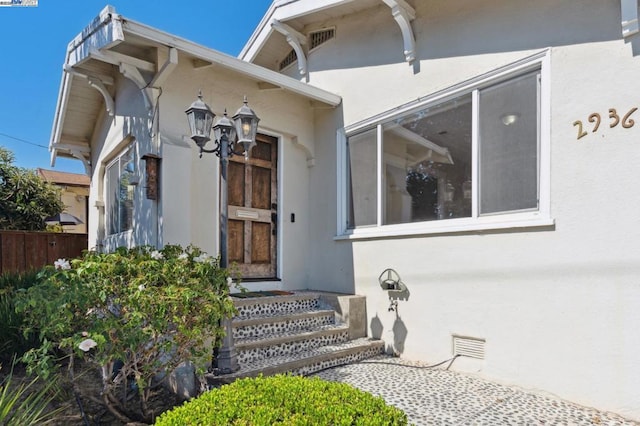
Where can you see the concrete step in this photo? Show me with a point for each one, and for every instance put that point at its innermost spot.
(269, 324)
(305, 362)
(289, 342)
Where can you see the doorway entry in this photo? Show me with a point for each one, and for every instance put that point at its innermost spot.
(253, 211)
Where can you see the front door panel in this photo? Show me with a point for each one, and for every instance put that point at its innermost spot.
(253, 205)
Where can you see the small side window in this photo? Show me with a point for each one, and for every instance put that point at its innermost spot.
(120, 174)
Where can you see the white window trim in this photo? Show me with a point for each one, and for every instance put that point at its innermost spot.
(517, 220)
(129, 146)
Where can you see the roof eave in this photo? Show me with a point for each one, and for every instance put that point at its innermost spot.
(246, 68)
(282, 10)
(102, 32)
(109, 29)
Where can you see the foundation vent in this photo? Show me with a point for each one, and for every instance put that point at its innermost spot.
(468, 346)
(288, 60)
(320, 37)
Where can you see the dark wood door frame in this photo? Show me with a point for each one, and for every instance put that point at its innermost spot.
(253, 209)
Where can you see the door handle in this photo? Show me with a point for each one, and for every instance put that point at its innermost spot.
(274, 221)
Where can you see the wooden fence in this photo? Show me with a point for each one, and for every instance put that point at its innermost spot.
(22, 250)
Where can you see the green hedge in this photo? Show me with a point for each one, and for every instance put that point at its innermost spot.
(284, 400)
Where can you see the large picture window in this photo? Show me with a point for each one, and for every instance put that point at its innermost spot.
(469, 158)
(120, 173)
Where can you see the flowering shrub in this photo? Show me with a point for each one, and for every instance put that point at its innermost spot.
(132, 314)
(62, 264)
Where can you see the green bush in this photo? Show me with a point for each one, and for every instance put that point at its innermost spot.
(12, 341)
(132, 315)
(284, 400)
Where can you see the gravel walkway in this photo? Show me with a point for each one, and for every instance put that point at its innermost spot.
(436, 396)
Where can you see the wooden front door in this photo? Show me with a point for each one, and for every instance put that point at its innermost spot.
(253, 207)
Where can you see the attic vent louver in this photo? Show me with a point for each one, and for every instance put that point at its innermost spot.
(288, 60)
(322, 36)
(468, 346)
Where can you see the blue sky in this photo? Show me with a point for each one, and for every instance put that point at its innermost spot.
(33, 42)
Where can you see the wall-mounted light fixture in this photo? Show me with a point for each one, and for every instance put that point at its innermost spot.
(391, 283)
(152, 167)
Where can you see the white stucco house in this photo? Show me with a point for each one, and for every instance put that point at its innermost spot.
(485, 151)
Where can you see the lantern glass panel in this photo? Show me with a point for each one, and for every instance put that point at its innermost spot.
(225, 127)
(247, 128)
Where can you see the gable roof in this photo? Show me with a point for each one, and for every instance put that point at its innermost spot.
(63, 178)
(297, 14)
(111, 41)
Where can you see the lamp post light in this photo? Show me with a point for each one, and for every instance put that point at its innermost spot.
(244, 125)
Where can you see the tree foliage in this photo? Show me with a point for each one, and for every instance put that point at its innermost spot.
(131, 315)
(25, 198)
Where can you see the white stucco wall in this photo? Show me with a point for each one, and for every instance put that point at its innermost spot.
(129, 125)
(558, 306)
(187, 206)
(189, 184)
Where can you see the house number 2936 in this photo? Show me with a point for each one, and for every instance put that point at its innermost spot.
(614, 119)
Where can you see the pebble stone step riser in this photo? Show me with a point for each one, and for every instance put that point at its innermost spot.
(284, 307)
(271, 327)
(311, 366)
(273, 345)
(347, 359)
(289, 348)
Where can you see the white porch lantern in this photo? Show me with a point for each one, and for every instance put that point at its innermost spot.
(200, 119)
(246, 122)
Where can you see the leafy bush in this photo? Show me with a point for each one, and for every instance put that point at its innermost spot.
(12, 341)
(284, 400)
(132, 314)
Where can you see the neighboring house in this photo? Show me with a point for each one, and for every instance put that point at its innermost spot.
(486, 151)
(75, 196)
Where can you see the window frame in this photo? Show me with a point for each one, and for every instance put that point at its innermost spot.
(116, 161)
(477, 222)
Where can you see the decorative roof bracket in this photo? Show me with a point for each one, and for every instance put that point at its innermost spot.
(166, 69)
(98, 82)
(629, 13)
(295, 40)
(133, 74)
(79, 153)
(116, 58)
(85, 162)
(311, 159)
(109, 104)
(403, 13)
